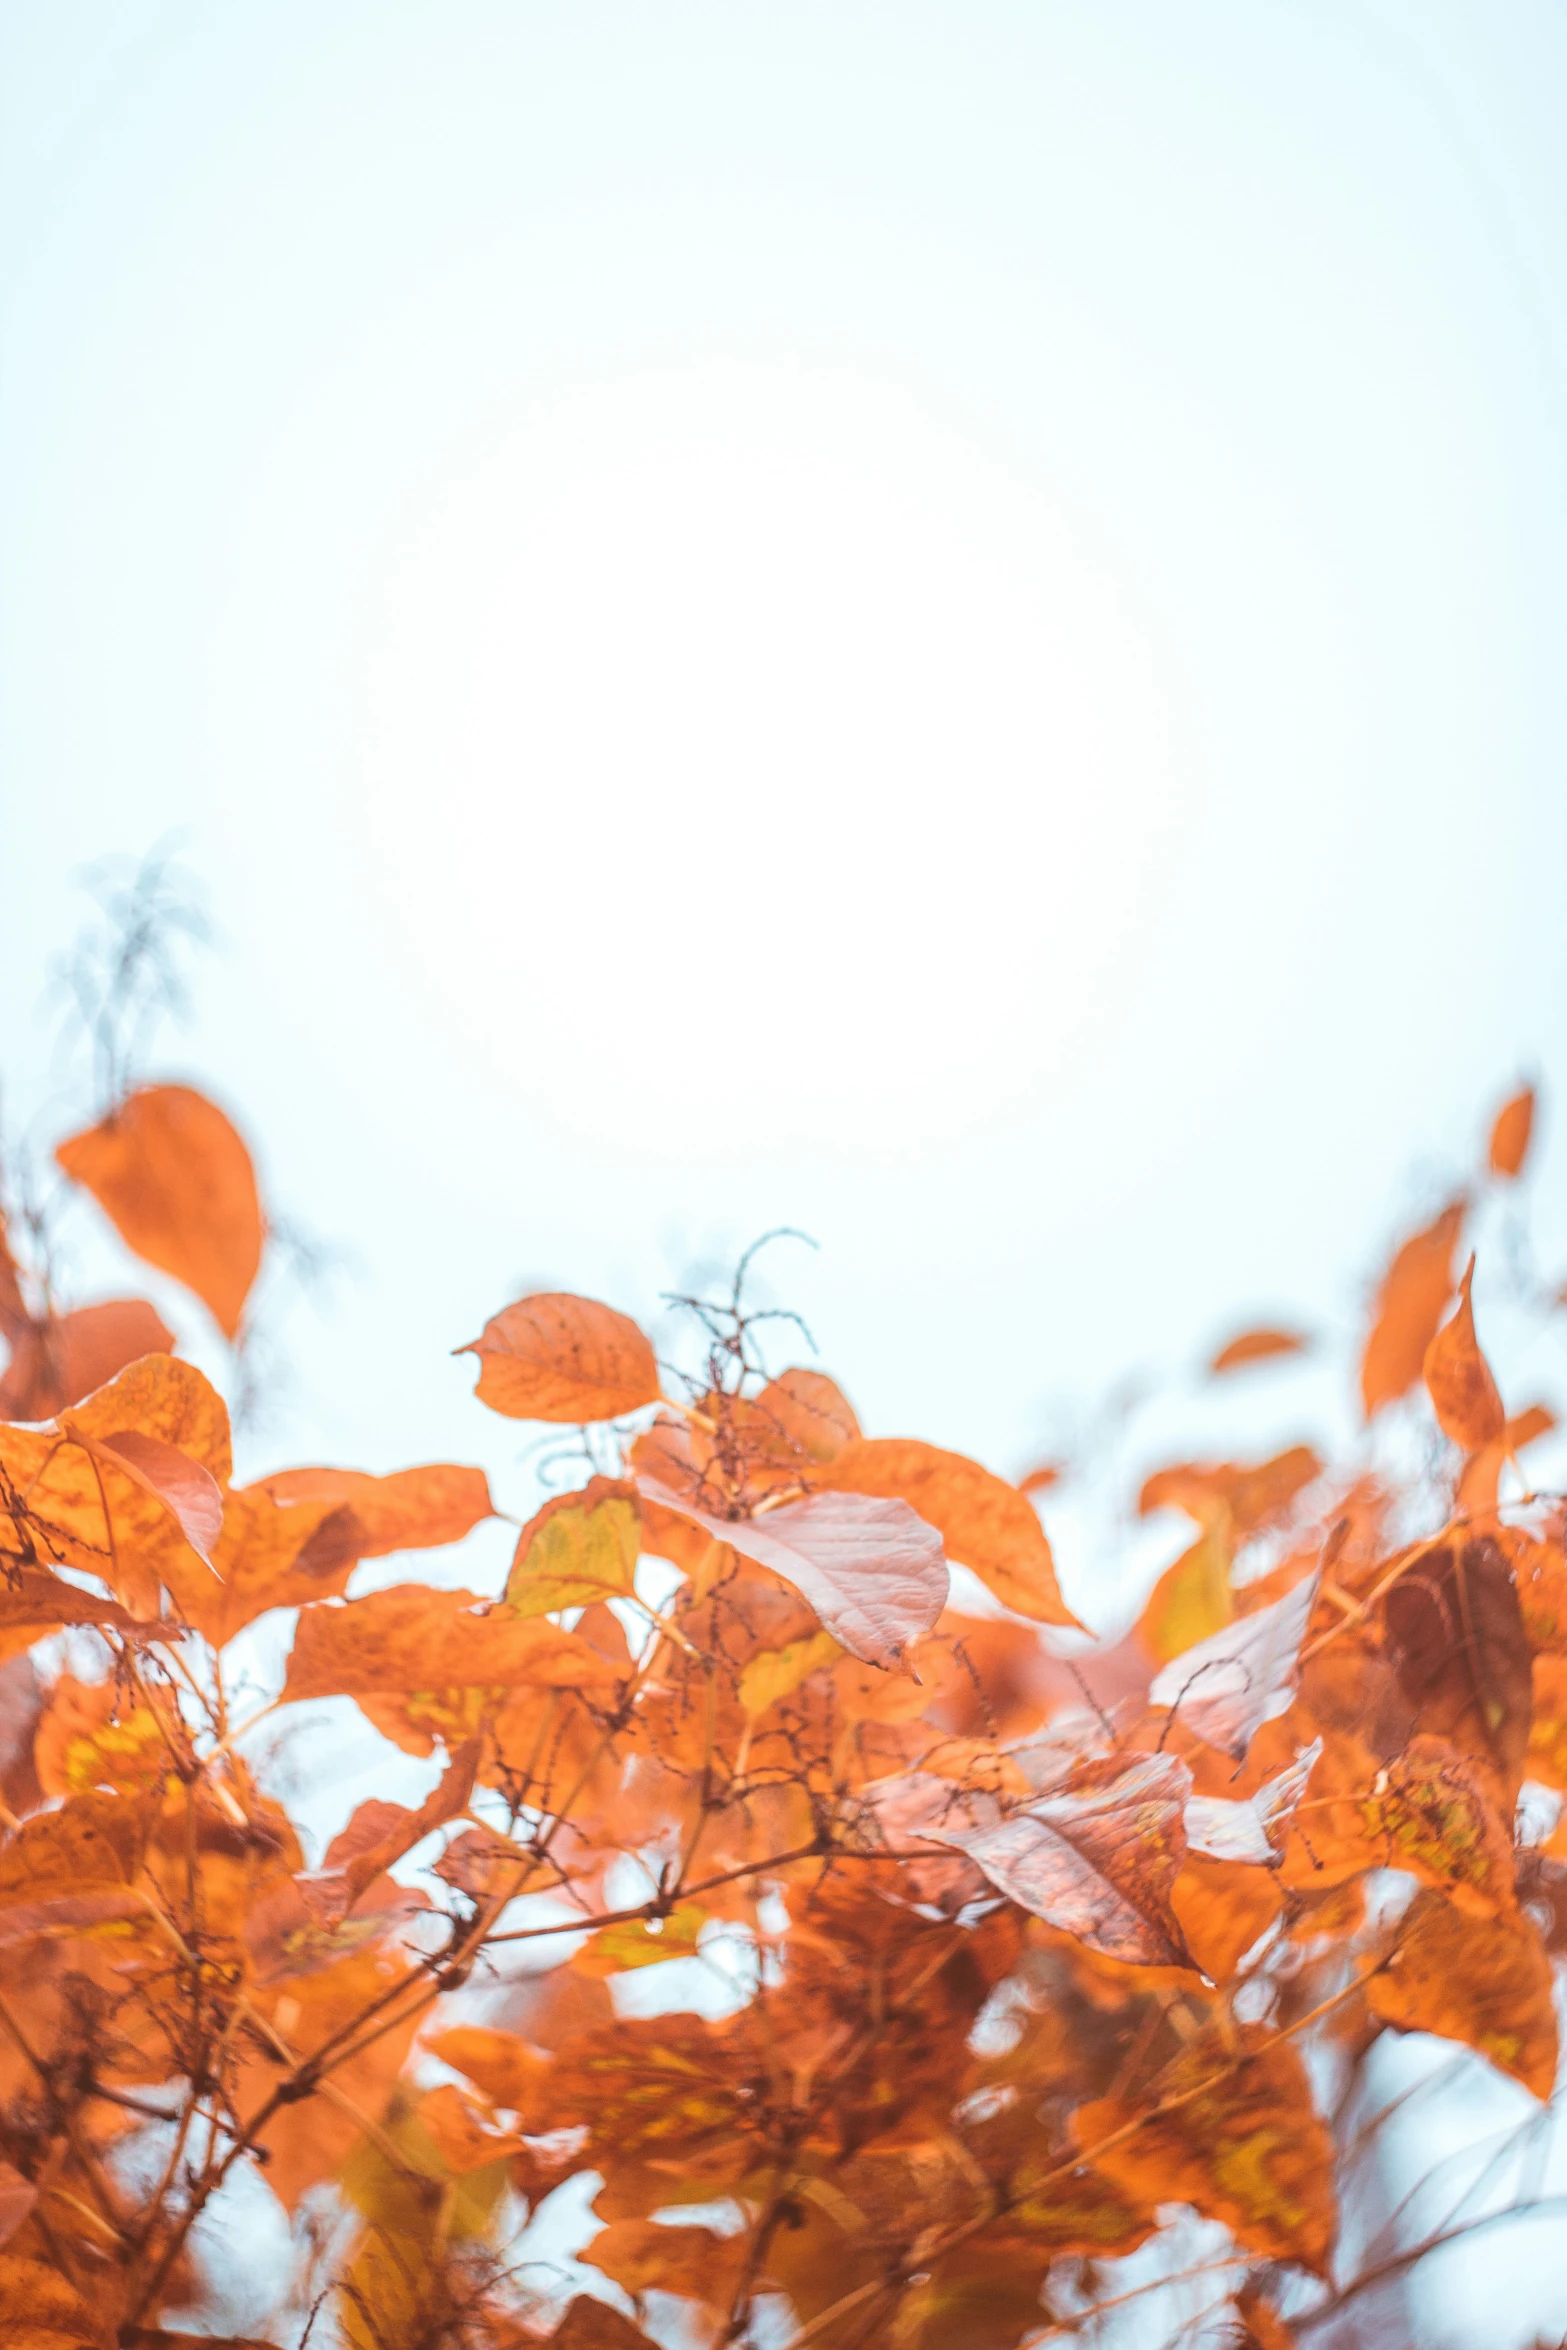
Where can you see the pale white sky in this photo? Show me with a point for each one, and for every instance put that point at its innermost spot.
(942, 624)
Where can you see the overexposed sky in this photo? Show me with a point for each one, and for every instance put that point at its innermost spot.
(943, 624)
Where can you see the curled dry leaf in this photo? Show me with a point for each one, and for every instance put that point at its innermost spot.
(171, 1173)
(1484, 1981)
(1255, 1346)
(1255, 1828)
(1415, 1288)
(874, 1572)
(1226, 1687)
(1509, 1145)
(563, 1358)
(984, 1522)
(1459, 1378)
(1097, 1857)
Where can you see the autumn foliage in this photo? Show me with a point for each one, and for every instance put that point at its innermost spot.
(1019, 1938)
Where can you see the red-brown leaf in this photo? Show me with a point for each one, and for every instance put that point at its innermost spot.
(55, 1363)
(188, 1491)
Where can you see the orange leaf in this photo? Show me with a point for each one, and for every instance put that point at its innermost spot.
(1415, 1288)
(1484, 1981)
(1230, 1494)
(554, 1357)
(1255, 1346)
(411, 1638)
(176, 1181)
(1528, 1426)
(42, 2307)
(272, 1556)
(1459, 1378)
(1258, 2324)
(380, 1833)
(1246, 2147)
(413, 1509)
(590, 2324)
(126, 1484)
(43, 1603)
(163, 1397)
(873, 1571)
(1510, 1134)
(810, 1414)
(983, 1521)
(509, 2072)
(461, 2137)
(639, 2254)
(1223, 1906)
